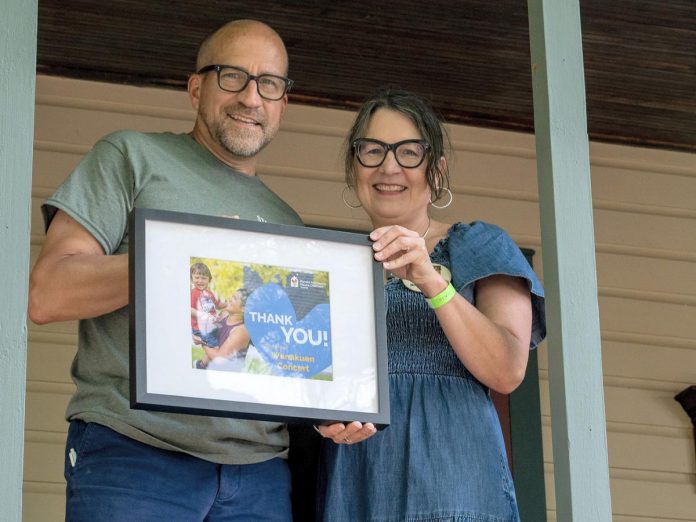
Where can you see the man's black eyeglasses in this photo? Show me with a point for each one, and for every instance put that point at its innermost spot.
(408, 153)
(235, 79)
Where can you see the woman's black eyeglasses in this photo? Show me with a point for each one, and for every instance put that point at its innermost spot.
(408, 153)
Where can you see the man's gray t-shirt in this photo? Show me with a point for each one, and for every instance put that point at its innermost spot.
(163, 171)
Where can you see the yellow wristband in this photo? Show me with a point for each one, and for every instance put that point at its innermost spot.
(442, 298)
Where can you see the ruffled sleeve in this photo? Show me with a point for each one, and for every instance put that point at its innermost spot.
(479, 250)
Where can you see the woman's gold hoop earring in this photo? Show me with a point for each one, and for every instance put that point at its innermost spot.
(343, 197)
(451, 198)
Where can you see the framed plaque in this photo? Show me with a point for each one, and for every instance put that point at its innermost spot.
(253, 320)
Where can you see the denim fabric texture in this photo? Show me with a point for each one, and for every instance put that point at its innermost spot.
(112, 478)
(442, 459)
(210, 339)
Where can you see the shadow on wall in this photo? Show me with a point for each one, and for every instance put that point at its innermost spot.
(687, 398)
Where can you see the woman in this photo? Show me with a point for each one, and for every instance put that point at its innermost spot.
(463, 310)
(233, 337)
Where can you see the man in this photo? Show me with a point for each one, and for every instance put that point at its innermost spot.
(124, 464)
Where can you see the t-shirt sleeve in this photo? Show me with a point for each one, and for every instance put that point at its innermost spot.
(480, 250)
(98, 194)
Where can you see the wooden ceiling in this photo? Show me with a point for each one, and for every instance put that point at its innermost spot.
(470, 57)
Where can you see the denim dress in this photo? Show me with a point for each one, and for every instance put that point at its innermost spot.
(443, 457)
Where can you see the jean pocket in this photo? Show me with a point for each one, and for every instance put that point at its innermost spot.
(79, 434)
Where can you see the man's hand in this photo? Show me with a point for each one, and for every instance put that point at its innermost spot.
(347, 433)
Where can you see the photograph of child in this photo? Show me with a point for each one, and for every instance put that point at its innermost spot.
(283, 330)
(204, 307)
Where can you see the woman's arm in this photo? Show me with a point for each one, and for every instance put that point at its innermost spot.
(492, 338)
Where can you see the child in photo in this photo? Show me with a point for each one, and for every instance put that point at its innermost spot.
(204, 307)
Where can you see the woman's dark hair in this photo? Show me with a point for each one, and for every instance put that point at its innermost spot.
(243, 295)
(423, 117)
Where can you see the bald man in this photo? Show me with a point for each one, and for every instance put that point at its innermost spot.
(124, 464)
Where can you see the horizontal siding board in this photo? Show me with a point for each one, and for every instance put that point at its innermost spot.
(645, 188)
(493, 171)
(646, 274)
(51, 167)
(653, 498)
(44, 462)
(644, 499)
(648, 407)
(643, 358)
(85, 127)
(127, 95)
(302, 151)
(62, 328)
(50, 362)
(46, 411)
(646, 317)
(643, 159)
(645, 231)
(648, 362)
(642, 452)
(43, 506)
(634, 406)
(652, 453)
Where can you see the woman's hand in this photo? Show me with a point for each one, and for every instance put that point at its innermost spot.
(404, 253)
(347, 433)
(492, 338)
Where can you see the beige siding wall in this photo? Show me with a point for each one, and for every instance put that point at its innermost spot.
(645, 223)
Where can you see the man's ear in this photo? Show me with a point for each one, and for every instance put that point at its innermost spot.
(285, 105)
(194, 89)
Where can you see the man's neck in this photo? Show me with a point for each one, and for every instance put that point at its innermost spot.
(245, 166)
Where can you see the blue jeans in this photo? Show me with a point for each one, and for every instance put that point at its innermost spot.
(210, 339)
(111, 477)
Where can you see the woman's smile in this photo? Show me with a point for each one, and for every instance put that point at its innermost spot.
(383, 188)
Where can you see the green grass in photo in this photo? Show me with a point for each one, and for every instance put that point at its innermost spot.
(197, 353)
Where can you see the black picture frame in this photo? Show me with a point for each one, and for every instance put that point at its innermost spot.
(337, 266)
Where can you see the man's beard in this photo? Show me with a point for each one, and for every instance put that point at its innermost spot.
(244, 143)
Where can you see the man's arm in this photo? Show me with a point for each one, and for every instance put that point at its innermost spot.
(73, 277)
